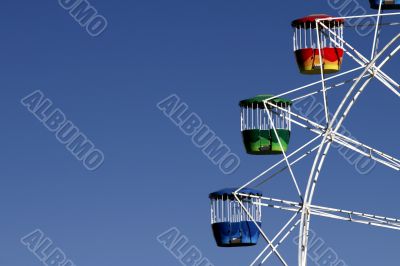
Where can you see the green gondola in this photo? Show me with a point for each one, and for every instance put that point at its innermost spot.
(258, 134)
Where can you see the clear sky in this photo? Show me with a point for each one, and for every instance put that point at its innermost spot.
(209, 53)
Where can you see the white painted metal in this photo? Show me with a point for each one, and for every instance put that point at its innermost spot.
(321, 65)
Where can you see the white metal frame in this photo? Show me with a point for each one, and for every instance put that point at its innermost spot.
(326, 134)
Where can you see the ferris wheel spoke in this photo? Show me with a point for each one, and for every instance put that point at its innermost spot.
(392, 165)
(326, 109)
(284, 155)
(303, 236)
(362, 16)
(377, 32)
(292, 163)
(281, 240)
(333, 86)
(281, 231)
(279, 256)
(389, 57)
(386, 80)
(384, 77)
(379, 218)
(291, 113)
(316, 83)
(376, 48)
(328, 212)
(281, 202)
(366, 219)
(386, 160)
(350, 219)
(372, 150)
(278, 163)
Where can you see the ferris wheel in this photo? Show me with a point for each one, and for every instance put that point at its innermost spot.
(266, 125)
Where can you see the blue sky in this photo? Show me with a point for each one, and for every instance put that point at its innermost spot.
(211, 54)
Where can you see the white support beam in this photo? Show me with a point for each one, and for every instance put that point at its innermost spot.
(334, 213)
(289, 222)
(279, 256)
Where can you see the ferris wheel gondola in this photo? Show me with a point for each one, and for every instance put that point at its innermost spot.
(231, 224)
(260, 120)
(310, 58)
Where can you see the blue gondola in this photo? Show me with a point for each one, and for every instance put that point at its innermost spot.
(387, 4)
(231, 225)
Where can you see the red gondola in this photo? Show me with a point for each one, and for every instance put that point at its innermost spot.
(305, 42)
